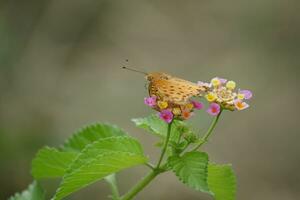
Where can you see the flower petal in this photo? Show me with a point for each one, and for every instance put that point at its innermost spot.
(186, 114)
(200, 83)
(240, 96)
(240, 105)
(215, 82)
(150, 101)
(166, 115)
(162, 104)
(230, 85)
(246, 93)
(214, 109)
(176, 111)
(223, 80)
(211, 96)
(197, 105)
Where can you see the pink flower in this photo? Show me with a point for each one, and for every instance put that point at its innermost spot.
(150, 101)
(166, 115)
(247, 93)
(197, 105)
(222, 80)
(214, 109)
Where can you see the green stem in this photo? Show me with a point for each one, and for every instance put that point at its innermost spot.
(151, 166)
(204, 139)
(179, 138)
(165, 145)
(186, 146)
(140, 185)
(112, 181)
(154, 172)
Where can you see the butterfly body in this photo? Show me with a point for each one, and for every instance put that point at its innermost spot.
(172, 89)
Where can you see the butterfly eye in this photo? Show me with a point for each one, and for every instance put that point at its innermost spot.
(164, 77)
(149, 78)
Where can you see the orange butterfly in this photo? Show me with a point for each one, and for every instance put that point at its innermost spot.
(171, 89)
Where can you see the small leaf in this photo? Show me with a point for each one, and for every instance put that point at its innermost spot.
(98, 160)
(50, 163)
(222, 182)
(33, 192)
(158, 127)
(89, 134)
(191, 169)
(152, 124)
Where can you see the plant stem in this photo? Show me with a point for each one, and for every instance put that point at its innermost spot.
(112, 181)
(151, 166)
(140, 185)
(154, 172)
(186, 146)
(204, 139)
(165, 145)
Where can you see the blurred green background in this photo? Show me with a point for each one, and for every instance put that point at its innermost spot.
(60, 69)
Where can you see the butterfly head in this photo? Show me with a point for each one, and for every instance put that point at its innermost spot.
(157, 76)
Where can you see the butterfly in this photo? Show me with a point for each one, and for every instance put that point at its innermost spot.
(171, 89)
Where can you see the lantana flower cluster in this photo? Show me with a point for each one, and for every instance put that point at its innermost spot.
(168, 110)
(221, 94)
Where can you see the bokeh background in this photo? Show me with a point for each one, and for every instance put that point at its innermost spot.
(60, 69)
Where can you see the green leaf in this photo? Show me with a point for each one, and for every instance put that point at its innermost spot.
(222, 182)
(33, 192)
(99, 159)
(191, 169)
(152, 124)
(158, 127)
(50, 163)
(89, 134)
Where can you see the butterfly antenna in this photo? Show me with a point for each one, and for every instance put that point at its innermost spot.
(134, 70)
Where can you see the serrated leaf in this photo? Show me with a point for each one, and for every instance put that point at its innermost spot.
(156, 126)
(89, 134)
(152, 124)
(222, 182)
(191, 169)
(51, 163)
(33, 192)
(111, 144)
(99, 159)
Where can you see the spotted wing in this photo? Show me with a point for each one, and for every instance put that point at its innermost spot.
(174, 90)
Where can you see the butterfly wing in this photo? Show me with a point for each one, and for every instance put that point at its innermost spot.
(174, 89)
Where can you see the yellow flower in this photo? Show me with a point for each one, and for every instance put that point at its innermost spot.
(241, 96)
(176, 111)
(215, 82)
(162, 104)
(230, 85)
(189, 106)
(211, 96)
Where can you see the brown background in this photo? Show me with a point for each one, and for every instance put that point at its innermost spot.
(60, 69)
